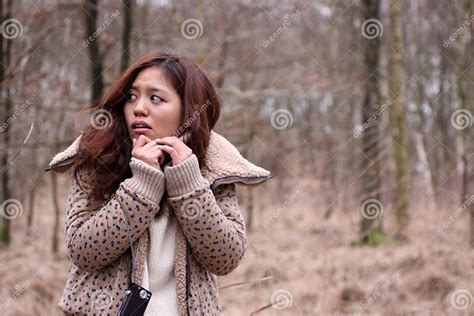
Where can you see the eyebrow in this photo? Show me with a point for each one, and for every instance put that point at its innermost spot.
(150, 89)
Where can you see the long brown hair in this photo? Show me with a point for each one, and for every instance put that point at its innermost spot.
(105, 146)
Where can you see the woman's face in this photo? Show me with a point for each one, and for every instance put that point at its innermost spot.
(153, 101)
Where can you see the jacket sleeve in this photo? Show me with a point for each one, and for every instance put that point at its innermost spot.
(97, 237)
(211, 221)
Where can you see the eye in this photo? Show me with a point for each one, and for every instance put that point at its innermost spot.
(155, 98)
(130, 97)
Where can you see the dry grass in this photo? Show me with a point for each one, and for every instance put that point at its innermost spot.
(314, 261)
(305, 262)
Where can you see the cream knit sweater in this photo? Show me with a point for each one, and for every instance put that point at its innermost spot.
(158, 276)
(159, 266)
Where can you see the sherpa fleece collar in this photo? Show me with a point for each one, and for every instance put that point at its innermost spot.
(224, 163)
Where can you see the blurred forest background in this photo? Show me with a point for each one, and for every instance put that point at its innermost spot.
(362, 110)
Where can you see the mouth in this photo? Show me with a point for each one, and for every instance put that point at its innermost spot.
(140, 127)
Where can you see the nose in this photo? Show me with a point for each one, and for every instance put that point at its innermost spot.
(140, 108)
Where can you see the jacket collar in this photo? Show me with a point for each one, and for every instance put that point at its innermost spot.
(224, 163)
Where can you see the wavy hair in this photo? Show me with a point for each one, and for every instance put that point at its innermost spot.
(105, 146)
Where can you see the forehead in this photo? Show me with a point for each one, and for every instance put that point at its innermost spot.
(152, 76)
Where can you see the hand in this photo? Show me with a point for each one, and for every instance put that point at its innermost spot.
(178, 150)
(147, 150)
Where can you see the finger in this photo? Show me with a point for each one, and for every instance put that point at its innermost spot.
(170, 141)
(171, 151)
(142, 140)
(150, 144)
(157, 154)
(154, 151)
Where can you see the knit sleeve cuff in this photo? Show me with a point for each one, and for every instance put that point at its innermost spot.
(184, 177)
(147, 180)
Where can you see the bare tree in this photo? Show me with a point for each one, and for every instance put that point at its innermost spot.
(397, 120)
(466, 101)
(5, 98)
(126, 33)
(371, 225)
(91, 9)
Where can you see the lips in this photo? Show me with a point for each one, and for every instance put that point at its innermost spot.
(140, 125)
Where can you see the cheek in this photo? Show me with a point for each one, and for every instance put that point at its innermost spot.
(127, 112)
(169, 114)
(177, 112)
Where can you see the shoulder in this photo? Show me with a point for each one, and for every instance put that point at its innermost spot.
(225, 190)
(225, 164)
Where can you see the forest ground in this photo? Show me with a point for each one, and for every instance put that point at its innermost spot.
(305, 263)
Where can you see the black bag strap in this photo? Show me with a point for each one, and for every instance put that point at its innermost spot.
(134, 256)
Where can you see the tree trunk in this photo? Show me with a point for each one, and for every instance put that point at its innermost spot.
(126, 34)
(31, 207)
(425, 173)
(95, 56)
(251, 132)
(55, 237)
(54, 185)
(371, 223)
(462, 147)
(469, 7)
(397, 122)
(5, 98)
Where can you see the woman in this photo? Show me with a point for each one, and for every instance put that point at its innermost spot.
(149, 170)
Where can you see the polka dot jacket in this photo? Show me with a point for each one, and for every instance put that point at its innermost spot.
(210, 239)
